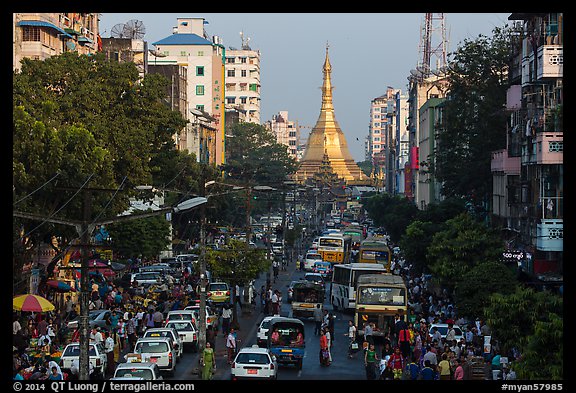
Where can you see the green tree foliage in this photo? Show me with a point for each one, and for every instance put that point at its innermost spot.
(463, 244)
(513, 318)
(414, 244)
(479, 283)
(474, 117)
(442, 211)
(146, 237)
(253, 155)
(394, 213)
(366, 167)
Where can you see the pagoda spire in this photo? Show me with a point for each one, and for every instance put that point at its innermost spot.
(327, 85)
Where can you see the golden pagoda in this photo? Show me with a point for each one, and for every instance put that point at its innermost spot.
(327, 138)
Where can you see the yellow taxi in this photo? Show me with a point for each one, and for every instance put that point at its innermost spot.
(218, 293)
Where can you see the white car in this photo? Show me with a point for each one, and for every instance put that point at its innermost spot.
(262, 333)
(189, 332)
(157, 350)
(134, 371)
(168, 332)
(211, 316)
(314, 277)
(254, 363)
(443, 328)
(96, 354)
(310, 259)
(180, 315)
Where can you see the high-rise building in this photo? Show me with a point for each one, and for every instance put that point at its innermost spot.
(242, 88)
(191, 47)
(286, 132)
(528, 176)
(327, 143)
(39, 36)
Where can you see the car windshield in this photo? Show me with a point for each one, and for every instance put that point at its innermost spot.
(151, 347)
(265, 324)
(162, 333)
(218, 287)
(315, 257)
(181, 326)
(145, 373)
(74, 350)
(252, 358)
(180, 317)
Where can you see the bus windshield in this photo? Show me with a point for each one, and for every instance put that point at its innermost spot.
(381, 296)
(330, 242)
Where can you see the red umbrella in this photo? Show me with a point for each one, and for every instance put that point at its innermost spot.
(31, 303)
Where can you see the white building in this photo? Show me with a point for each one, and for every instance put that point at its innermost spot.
(286, 132)
(191, 47)
(243, 82)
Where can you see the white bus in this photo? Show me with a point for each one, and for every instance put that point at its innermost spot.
(344, 279)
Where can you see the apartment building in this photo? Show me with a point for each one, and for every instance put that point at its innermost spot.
(242, 90)
(39, 36)
(528, 180)
(286, 132)
(191, 47)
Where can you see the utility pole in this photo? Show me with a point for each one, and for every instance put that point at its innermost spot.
(83, 372)
(202, 261)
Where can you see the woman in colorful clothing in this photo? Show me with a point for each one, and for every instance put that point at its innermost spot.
(370, 358)
(208, 362)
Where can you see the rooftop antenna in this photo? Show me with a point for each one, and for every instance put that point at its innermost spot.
(244, 41)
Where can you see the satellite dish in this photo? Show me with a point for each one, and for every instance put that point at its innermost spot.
(117, 31)
(134, 29)
(156, 53)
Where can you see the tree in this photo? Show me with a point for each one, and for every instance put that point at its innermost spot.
(253, 154)
(479, 283)
(366, 167)
(414, 244)
(513, 317)
(474, 120)
(463, 244)
(145, 237)
(394, 213)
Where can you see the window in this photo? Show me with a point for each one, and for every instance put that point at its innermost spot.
(230, 60)
(200, 107)
(377, 139)
(243, 100)
(243, 60)
(200, 53)
(243, 73)
(183, 53)
(200, 71)
(376, 116)
(292, 134)
(30, 33)
(376, 146)
(292, 143)
(376, 124)
(231, 100)
(376, 131)
(231, 73)
(199, 90)
(253, 87)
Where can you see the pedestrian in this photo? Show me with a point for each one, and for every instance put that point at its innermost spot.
(404, 341)
(427, 373)
(237, 297)
(231, 345)
(398, 363)
(329, 340)
(444, 367)
(368, 333)
(55, 375)
(96, 335)
(274, 302)
(413, 369)
(211, 337)
(121, 332)
(131, 331)
(226, 317)
(324, 353)
(149, 319)
(158, 318)
(208, 362)
(317, 320)
(331, 323)
(352, 338)
(370, 359)
(109, 350)
(459, 371)
(263, 299)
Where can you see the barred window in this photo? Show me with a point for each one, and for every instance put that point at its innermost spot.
(30, 33)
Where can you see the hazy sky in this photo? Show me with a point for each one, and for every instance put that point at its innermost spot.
(368, 53)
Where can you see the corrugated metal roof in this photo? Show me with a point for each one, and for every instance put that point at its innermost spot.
(42, 24)
(183, 39)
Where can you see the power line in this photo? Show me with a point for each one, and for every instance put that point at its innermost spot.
(36, 190)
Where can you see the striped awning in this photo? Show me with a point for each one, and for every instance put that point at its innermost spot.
(40, 23)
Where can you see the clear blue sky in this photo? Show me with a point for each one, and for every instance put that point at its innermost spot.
(368, 52)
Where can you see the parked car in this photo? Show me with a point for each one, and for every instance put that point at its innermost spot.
(168, 332)
(143, 370)
(218, 293)
(443, 328)
(95, 318)
(157, 350)
(148, 278)
(254, 363)
(189, 330)
(180, 315)
(96, 354)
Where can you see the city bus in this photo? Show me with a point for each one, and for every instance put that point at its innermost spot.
(344, 278)
(356, 233)
(335, 248)
(379, 297)
(375, 250)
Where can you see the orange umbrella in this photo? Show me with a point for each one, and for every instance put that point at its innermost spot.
(31, 303)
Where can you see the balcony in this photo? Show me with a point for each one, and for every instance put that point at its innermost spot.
(545, 149)
(550, 61)
(550, 235)
(501, 162)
